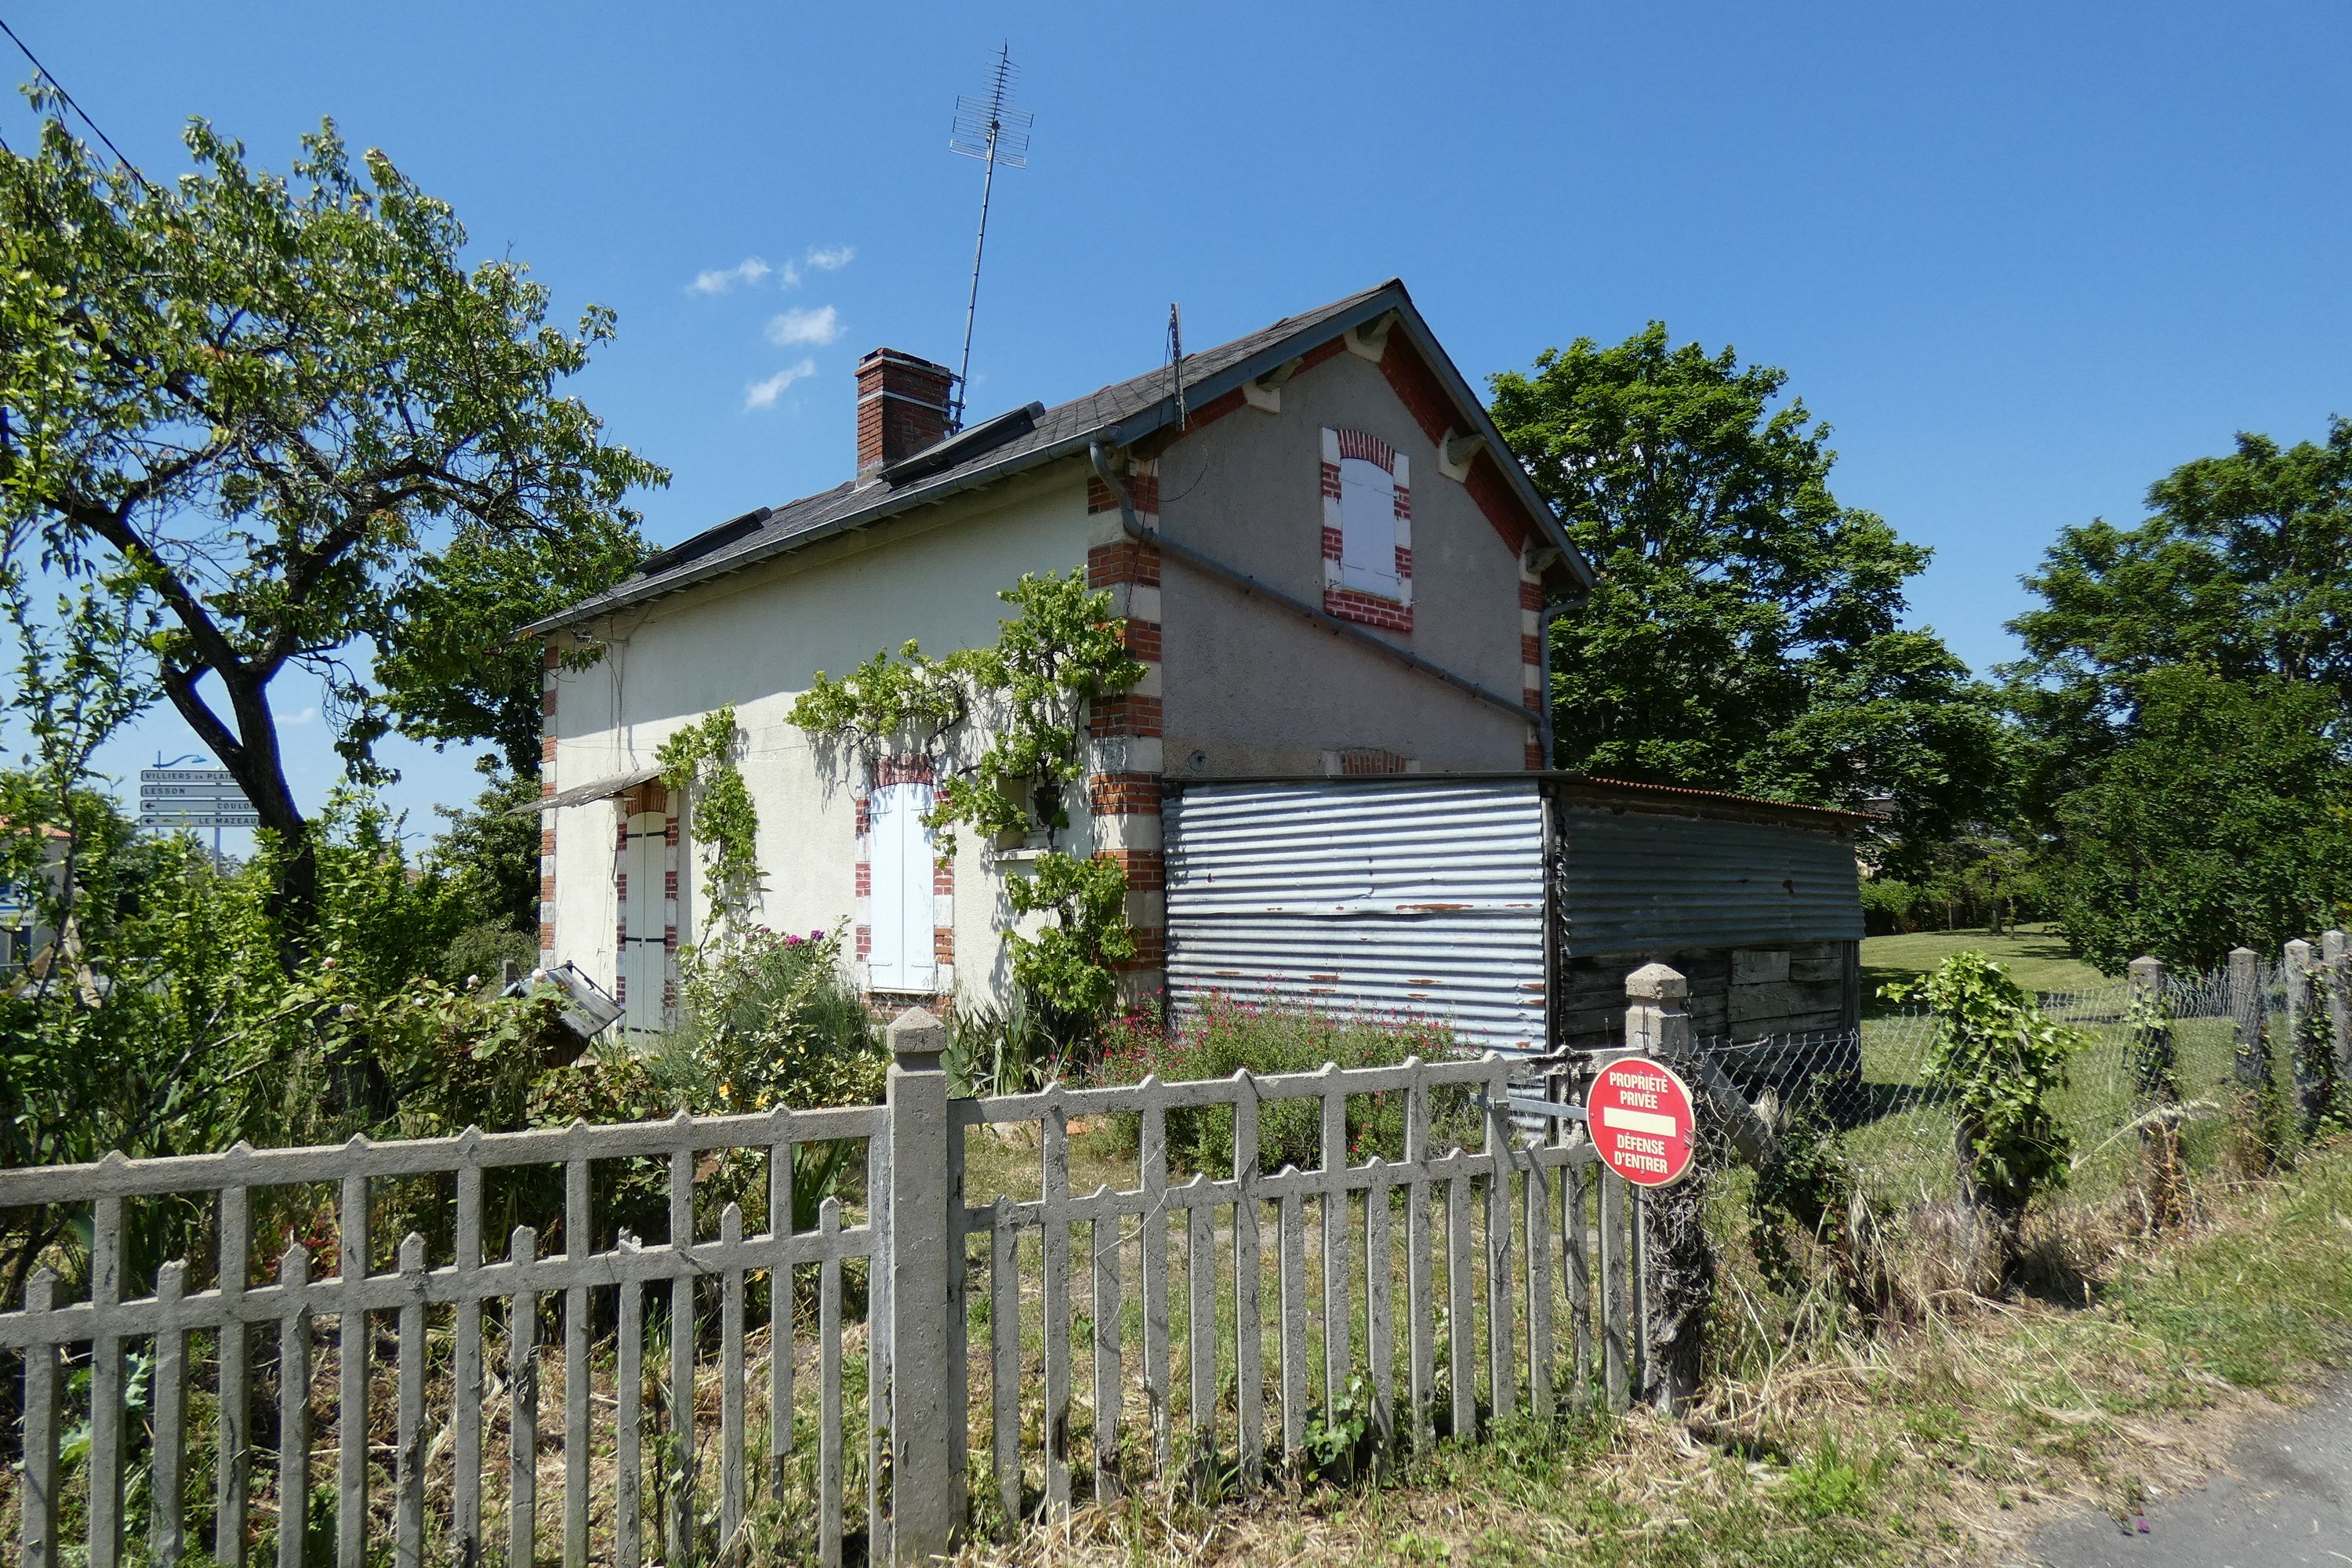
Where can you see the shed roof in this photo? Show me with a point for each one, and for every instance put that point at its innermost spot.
(1118, 415)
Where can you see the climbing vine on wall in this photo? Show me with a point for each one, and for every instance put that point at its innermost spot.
(995, 723)
(698, 763)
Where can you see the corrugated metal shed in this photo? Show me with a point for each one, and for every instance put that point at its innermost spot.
(1416, 895)
(1638, 878)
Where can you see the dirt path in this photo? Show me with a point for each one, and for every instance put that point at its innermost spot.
(2286, 1501)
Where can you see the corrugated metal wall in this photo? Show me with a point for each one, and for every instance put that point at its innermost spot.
(1422, 896)
(1641, 879)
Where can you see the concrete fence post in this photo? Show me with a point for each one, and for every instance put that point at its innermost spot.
(2335, 954)
(927, 1383)
(2246, 1010)
(2152, 1063)
(1680, 1264)
(2310, 1075)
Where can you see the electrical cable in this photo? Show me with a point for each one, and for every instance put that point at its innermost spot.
(71, 102)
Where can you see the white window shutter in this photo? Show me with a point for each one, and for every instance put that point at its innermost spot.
(898, 955)
(1368, 531)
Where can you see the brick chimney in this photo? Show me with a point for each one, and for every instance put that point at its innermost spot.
(902, 407)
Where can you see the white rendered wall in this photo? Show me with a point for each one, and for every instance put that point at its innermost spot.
(756, 639)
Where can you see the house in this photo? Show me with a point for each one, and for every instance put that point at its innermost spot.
(1320, 547)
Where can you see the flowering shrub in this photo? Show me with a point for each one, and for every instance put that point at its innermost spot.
(1224, 1035)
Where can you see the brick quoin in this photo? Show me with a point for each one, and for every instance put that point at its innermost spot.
(1142, 639)
(1146, 871)
(1150, 950)
(865, 880)
(1335, 544)
(1535, 756)
(1404, 561)
(1144, 488)
(943, 876)
(865, 942)
(1530, 648)
(669, 832)
(546, 936)
(1132, 714)
(669, 884)
(547, 702)
(547, 658)
(547, 840)
(547, 887)
(942, 945)
(1531, 596)
(1530, 698)
(1331, 481)
(1123, 795)
(1107, 566)
(547, 750)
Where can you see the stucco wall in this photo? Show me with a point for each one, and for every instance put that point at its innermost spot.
(755, 639)
(1257, 691)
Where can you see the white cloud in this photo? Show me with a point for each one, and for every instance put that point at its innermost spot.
(764, 394)
(750, 270)
(309, 715)
(819, 326)
(831, 258)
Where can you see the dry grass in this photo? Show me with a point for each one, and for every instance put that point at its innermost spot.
(1818, 1441)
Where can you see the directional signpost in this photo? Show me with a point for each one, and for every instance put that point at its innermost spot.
(173, 797)
(1643, 1120)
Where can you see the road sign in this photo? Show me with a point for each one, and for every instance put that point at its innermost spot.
(1643, 1120)
(208, 819)
(221, 777)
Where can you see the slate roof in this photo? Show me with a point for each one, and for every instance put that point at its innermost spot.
(1117, 415)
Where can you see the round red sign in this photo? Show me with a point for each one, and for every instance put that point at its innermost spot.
(1641, 1121)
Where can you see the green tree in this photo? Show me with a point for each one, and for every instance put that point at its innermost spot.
(2224, 817)
(289, 411)
(2183, 701)
(2243, 567)
(1744, 634)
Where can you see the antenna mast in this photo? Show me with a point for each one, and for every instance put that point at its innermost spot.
(990, 129)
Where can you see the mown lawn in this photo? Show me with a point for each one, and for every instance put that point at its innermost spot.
(2034, 955)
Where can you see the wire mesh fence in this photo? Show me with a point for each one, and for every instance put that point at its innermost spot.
(1877, 1084)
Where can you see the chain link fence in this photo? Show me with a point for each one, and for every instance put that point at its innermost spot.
(1877, 1087)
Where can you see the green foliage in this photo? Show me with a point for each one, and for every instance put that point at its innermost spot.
(772, 1020)
(995, 721)
(997, 1051)
(2326, 1093)
(2184, 694)
(2003, 1063)
(2150, 1050)
(1744, 634)
(699, 762)
(2222, 820)
(281, 479)
(1066, 967)
(1225, 1036)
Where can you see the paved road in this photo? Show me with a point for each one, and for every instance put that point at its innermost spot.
(2285, 1502)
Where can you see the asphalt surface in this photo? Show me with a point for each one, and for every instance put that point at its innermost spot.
(2285, 1501)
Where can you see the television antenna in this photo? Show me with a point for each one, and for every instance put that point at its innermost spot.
(990, 129)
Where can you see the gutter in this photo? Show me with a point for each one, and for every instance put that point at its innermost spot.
(1233, 576)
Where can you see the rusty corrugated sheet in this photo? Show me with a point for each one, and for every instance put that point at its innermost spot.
(1421, 896)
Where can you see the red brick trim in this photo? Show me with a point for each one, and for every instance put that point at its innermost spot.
(1145, 869)
(1142, 639)
(942, 945)
(1535, 755)
(1150, 950)
(1130, 714)
(1124, 560)
(1418, 388)
(1123, 795)
(1143, 489)
(1530, 596)
(887, 771)
(1372, 610)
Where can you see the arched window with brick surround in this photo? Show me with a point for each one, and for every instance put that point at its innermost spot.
(1367, 531)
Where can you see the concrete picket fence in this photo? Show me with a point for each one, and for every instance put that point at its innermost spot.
(1522, 1229)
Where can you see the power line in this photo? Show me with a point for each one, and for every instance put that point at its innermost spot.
(70, 101)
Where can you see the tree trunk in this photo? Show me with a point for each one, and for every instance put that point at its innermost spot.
(252, 757)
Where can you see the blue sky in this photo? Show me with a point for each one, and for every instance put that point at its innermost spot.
(2024, 257)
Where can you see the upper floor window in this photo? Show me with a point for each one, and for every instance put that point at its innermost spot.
(1367, 531)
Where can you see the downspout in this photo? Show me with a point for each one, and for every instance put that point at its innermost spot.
(1210, 567)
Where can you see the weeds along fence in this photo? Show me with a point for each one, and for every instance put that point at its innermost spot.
(2283, 1023)
(806, 1384)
